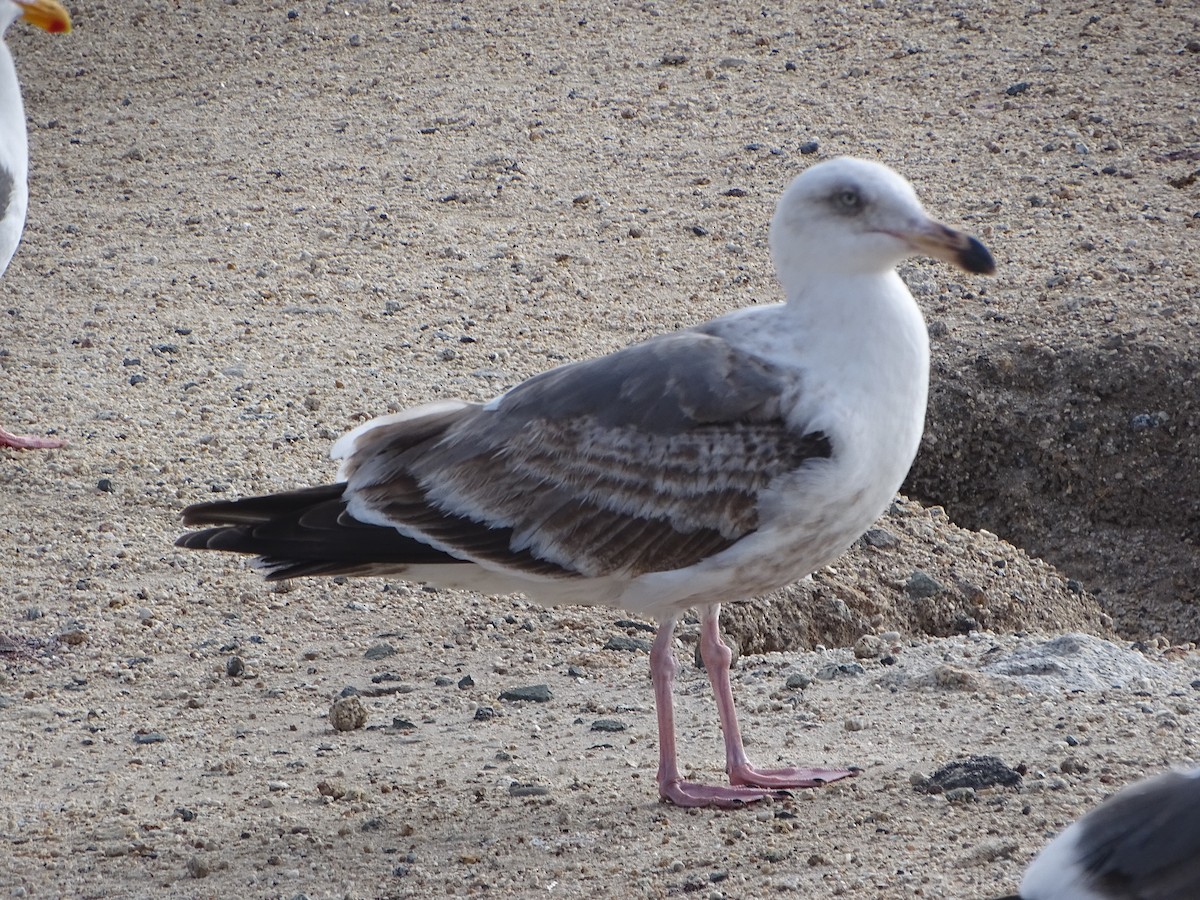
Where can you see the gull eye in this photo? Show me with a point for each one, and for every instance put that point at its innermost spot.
(848, 201)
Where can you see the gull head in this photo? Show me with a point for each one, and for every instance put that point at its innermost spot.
(49, 15)
(850, 216)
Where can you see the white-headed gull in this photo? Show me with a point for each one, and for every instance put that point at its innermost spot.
(14, 154)
(710, 465)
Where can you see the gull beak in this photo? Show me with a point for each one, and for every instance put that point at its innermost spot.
(49, 15)
(955, 247)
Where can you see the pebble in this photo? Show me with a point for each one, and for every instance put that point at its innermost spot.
(921, 584)
(855, 723)
(443, 681)
(466, 682)
(973, 772)
(534, 693)
(830, 671)
(198, 868)
(798, 681)
(627, 644)
(869, 646)
(347, 714)
(105, 485)
(608, 725)
(483, 713)
(809, 147)
(235, 667)
(517, 789)
(880, 538)
(380, 651)
(149, 737)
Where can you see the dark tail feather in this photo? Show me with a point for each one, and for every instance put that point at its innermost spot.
(304, 532)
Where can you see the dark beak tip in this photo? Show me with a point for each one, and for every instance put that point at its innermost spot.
(976, 258)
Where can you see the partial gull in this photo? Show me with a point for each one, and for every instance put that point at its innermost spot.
(706, 466)
(14, 155)
(1142, 843)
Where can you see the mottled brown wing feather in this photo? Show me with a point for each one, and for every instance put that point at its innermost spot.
(650, 459)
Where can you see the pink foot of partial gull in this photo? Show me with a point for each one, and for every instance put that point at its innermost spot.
(748, 784)
(28, 441)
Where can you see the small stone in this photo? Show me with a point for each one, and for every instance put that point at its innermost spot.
(798, 681)
(626, 643)
(483, 713)
(830, 671)
(534, 693)
(466, 682)
(517, 789)
(380, 651)
(611, 725)
(74, 636)
(921, 585)
(442, 681)
(869, 646)
(277, 786)
(699, 230)
(347, 714)
(809, 147)
(1019, 88)
(961, 795)
(198, 868)
(880, 538)
(855, 723)
(105, 485)
(973, 772)
(185, 814)
(235, 667)
(674, 59)
(148, 737)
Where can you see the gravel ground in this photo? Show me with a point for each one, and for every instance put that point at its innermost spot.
(252, 225)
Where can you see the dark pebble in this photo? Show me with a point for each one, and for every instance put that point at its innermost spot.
(466, 682)
(380, 651)
(576, 672)
(636, 625)
(402, 724)
(1019, 88)
(880, 538)
(789, 66)
(137, 379)
(534, 693)
(608, 725)
(888, 660)
(798, 681)
(674, 59)
(150, 737)
(921, 584)
(235, 667)
(349, 691)
(809, 147)
(972, 772)
(442, 681)
(699, 230)
(106, 485)
(628, 644)
(1196, 684)
(527, 790)
(131, 361)
(830, 671)
(184, 813)
(483, 713)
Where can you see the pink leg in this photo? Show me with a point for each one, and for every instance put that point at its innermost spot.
(28, 441)
(671, 785)
(717, 658)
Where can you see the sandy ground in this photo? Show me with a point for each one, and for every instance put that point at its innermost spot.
(254, 224)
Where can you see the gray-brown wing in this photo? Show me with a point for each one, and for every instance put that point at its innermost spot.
(1144, 843)
(649, 459)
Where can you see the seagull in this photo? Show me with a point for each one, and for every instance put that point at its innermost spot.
(1142, 843)
(710, 465)
(14, 154)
